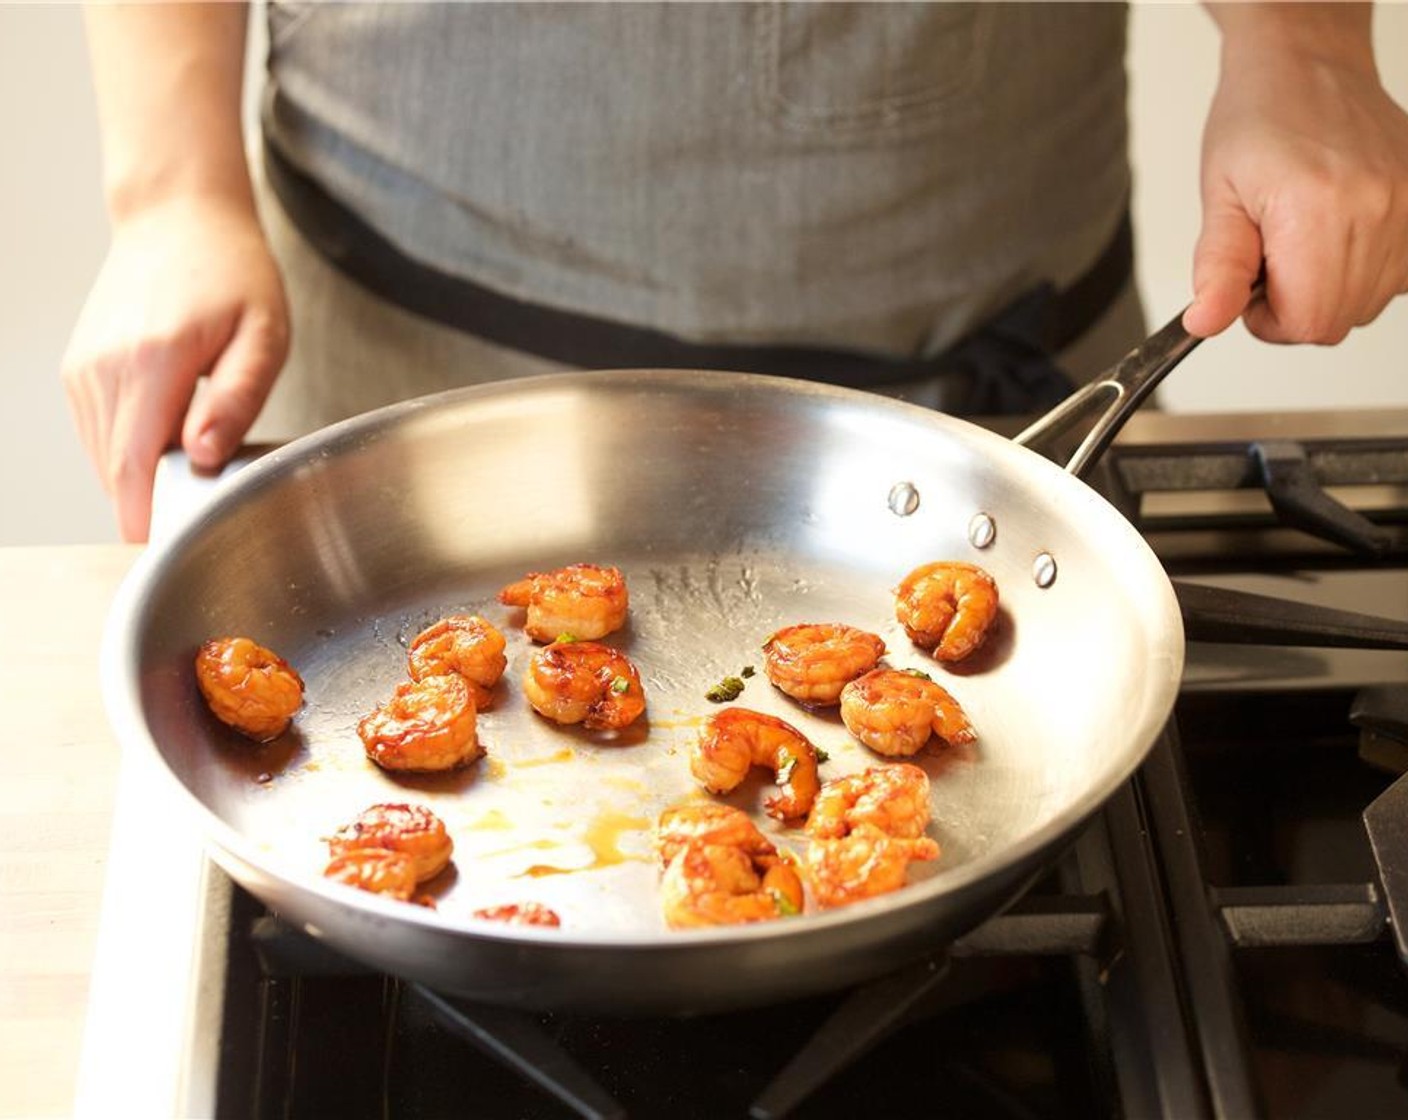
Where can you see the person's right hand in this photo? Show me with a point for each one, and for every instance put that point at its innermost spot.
(188, 289)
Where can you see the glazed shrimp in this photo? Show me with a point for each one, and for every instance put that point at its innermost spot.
(708, 823)
(586, 683)
(894, 799)
(812, 662)
(520, 914)
(894, 712)
(736, 739)
(465, 645)
(584, 600)
(249, 687)
(412, 830)
(947, 607)
(862, 864)
(719, 884)
(378, 870)
(426, 725)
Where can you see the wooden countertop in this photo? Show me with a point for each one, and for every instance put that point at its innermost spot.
(56, 798)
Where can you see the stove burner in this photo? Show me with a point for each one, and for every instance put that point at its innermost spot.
(982, 1035)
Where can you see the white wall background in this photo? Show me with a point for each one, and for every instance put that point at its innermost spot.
(1173, 70)
(53, 234)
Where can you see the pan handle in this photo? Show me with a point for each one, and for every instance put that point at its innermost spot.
(1108, 401)
(180, 490)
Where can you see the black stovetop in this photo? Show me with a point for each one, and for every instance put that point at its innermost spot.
(1215, 943)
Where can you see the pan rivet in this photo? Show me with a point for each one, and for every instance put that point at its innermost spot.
(904, 499)
(982, 530)
(1044, 569)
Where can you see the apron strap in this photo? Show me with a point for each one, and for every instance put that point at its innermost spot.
(1006, 366)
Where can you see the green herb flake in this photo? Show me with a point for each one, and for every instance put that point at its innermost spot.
(620, 685)
(788, 908)
(747, 671)
(565, 636)
(730, 688)
(920, 673)
(822, 755)
(788, 765)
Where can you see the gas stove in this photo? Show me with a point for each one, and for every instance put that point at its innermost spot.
(1225, 938)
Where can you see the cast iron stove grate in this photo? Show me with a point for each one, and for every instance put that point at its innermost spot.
(1164, 971)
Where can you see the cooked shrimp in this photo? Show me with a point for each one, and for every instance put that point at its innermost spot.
(719, 884)
(894, 712)
(426, 725)
(814, 661)
(378, 870)
(865, 831)
(249, 687)
(520, 914)
(584, 682)
(584, 600)
(465, 645)
(708, 823)
(862, 864)
(894, 799)
(412, 830)
(736, 739)
(720, 869)
(947, 607)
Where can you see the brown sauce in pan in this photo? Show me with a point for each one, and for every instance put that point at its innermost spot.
(566, 754)
(602, 835)
(493, 821)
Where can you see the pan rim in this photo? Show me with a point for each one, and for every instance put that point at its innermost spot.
(121, 686)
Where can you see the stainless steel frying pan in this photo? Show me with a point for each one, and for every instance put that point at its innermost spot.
(735, 504)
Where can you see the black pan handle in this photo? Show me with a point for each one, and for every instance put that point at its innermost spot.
(1106, 403)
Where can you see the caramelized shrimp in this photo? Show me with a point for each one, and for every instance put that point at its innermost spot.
(584, 682)
(720, 869)
(249, 687)
(947, 607)
(584, 600)
(862, 864)
(894, 712)
(865, 831)
(894, 799)
(814, 661)
(719, 884)
(465, 645)
(520, 914)
(412, 830)
(708, 823)
(377, 870)
(426, 725)
(736, 739)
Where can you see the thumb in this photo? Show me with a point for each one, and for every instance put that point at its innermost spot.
(238, 386)
(1226, 263)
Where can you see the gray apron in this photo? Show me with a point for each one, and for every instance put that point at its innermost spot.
(874, 179)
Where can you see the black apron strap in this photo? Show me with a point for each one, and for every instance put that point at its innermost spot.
(1007, 364)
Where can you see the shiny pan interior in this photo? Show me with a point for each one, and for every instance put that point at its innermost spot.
(735, 504)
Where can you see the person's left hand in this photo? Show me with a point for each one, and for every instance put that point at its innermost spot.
(1304, 168)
